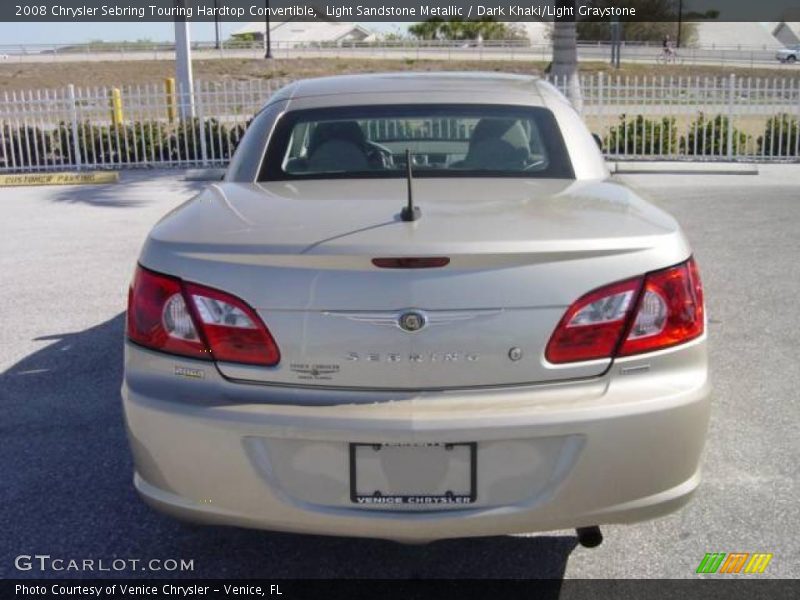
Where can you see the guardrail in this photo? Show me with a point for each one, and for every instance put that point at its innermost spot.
(644, 118)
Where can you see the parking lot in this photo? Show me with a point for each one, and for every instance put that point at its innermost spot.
(66, 256)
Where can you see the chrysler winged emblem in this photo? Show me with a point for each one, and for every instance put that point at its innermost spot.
(411, 321)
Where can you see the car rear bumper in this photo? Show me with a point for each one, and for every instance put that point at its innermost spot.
(620, 448)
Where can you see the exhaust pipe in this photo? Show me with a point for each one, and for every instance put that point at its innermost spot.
(589, 537)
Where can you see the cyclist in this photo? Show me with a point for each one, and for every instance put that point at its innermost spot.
(667, 46)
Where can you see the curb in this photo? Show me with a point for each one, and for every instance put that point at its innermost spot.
(211, 174)
(681, 168)
(30, 179)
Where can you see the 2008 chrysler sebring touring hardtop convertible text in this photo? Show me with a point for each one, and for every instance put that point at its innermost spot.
(416, 308)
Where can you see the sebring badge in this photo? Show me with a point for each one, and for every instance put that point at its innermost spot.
(411, 321)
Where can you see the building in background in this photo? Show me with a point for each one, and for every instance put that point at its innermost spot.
(733, 35)
(538, 32)
(787, 32)
(293, 34)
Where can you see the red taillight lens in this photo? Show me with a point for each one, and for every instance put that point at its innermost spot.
(191, 320)
(158, 316)
(233, 330)
(670, 311)
(663, 309)
(592, 326)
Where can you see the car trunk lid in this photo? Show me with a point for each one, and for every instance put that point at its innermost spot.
(520, 251)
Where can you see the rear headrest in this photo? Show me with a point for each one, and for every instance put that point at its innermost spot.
(343, 131)
(508, 130)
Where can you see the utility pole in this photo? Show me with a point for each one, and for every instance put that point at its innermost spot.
(267, 41)
(680, 22)
(183, 66)
(616, 42)
(216, 25)
(565, 54)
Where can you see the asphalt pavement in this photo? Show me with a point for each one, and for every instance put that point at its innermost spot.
(66, 256)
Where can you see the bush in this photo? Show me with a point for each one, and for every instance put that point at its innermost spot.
(642, 136)
(710, 138)
(87, 141)
(221, 141)
(780, 136)
(25, 146)
(137, 142)
(115, 144)
(142, 140)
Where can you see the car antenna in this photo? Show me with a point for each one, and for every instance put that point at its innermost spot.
(410, 212)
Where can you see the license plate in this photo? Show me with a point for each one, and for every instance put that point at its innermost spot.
(413, 474)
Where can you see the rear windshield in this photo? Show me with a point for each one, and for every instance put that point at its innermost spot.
(444, 141)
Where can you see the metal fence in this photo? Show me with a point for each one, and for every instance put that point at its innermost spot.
(675, 118)
(739, 55)
(136, 126)
(694, 118)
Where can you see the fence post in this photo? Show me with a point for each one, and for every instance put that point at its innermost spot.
(201, 119)
(169, 86)
(4, 158)
(601, 98)
(9, 155)
(116, 107)
(731, 92)
(73, 113)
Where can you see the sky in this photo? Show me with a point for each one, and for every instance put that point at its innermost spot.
(72, 33)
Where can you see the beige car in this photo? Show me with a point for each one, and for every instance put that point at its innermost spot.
(417, 308)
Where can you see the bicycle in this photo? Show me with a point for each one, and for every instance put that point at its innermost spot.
(669, 57)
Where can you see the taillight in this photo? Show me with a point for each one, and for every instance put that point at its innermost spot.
(592, 326)
(659, 310)
(158, 316)
(233, 330)
(670, 310)
(167, 314)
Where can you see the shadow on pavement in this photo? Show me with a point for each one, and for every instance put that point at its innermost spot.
(67, 492)
(133, 189)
